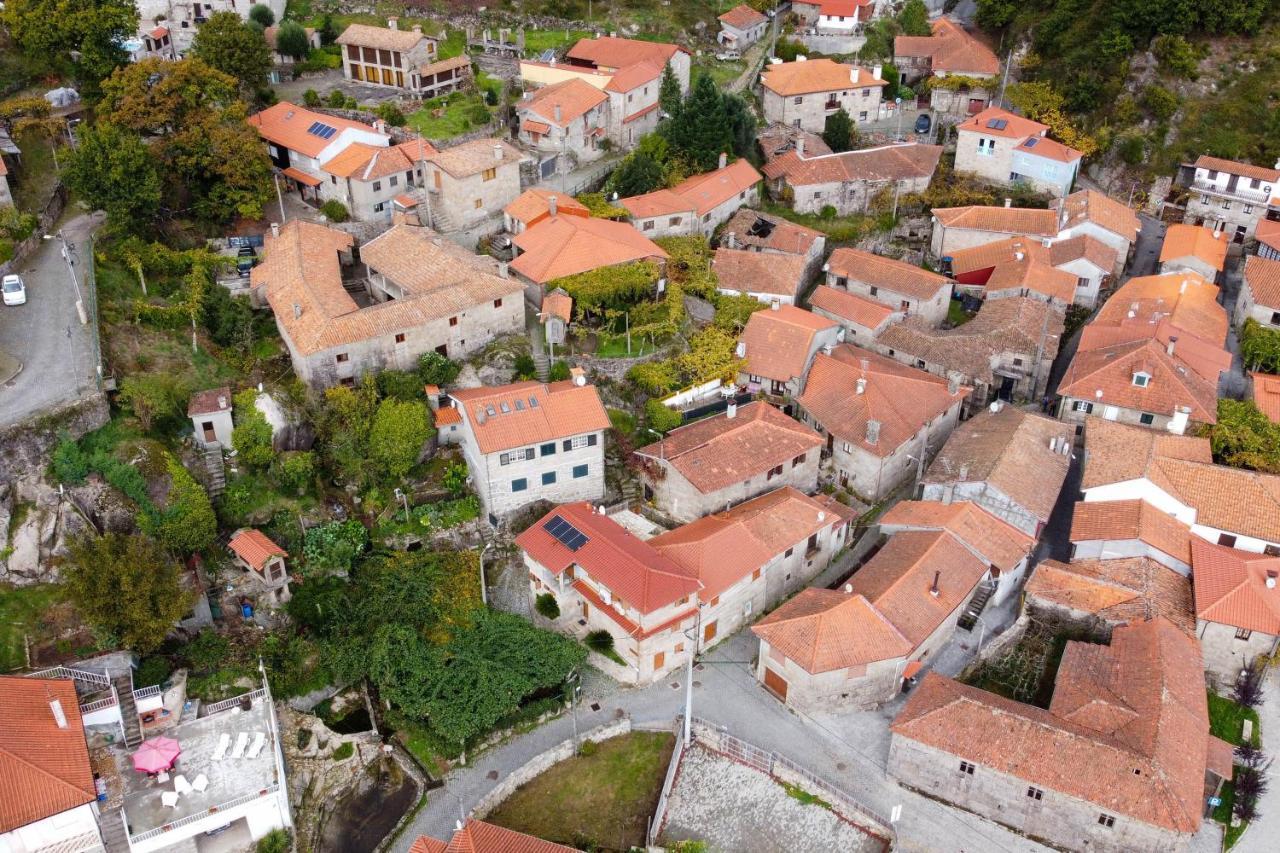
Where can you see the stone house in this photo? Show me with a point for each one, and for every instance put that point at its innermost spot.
(863, 319)
(833, 16)
(1090, 261)
(478, 836)
(427, 295)
(615, 56)
(1121, 529)
(536, 204)
(850, 180)
(956, 228)
(1102, 217)
(210, 413)
(756, 231)
(1190, 248)
(530, 441)
(767, 278)
(568, 119)
(469, 183)
(1003, 148)
(697, 205)
(778, 347)
(254, 552)
(1021, 266)
(805, 93)
(948, 52)
(711, 465)
(741, 27)
(1237, 608)
(878, 416)
(1098, 595)
(1121, 760)
(1268, 236)
(386, 56)
(567, 244)
(908, 290)
(1259, 297)
(1229, 196)
(986, 459)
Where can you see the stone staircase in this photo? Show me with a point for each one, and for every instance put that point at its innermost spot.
(976, 605)
(114, 835)
(441, 218)
(128, 709)
(542, 364)
(217, 480)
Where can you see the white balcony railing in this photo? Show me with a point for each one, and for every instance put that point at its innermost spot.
(190, 819)
(147, 692)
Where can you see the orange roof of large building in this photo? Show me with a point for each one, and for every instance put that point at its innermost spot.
(994, 540)
(560, 246)
(770, 273)
(1194, 241)
(383, 38)
(950, 48)
(721, 451)
(1032, 275)
(503, 417)
(1237, 588)
(255, 548)
(725, 547)
(572, 98)
(898, 398)
(780, 341)
(804, 77)
(1118, 453)
(860, 310)
(290, 125)
(1178, 303)
(1171, 385)
(1234, 167)
(474, 157)
(1262, 277)
(614, 52)
(824, 630)
(999, 448)
(629, 567)
(534, 205)
(1266, 394)
(759, 230)
(44, 767)
(476, 836)
(1136, 705)
(1131, 520)
(743, 17)
(904, 161)
(1001, 220)
(994, 121)
(699, 194)
(363, 162)
(888, 273)
(1092, 206)
(1084, 246)
(1118, 591)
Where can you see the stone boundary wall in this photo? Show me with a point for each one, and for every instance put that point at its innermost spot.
(45, 220)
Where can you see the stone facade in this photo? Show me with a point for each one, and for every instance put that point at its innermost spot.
(810, 111)
(681, 501)
(1248, 308)
(1073, 410)
(1113, 549)
(458, 203)
(934, 310)
(1226, 652)
(554, 476)
(988, 497)
(850, 197)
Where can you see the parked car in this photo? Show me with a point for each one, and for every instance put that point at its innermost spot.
(246, 259)
(15, 292)
(923, 123)
(729, 55)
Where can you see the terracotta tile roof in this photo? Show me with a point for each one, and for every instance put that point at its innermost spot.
(1231, 587)
(1025, 262)
(476, 836)
(1221, 758)
(557, 303)
(635, 75)
(1172, 385)
(1033, 276)
(900, 398)
(824, 630)
(723, 548)
(901, 162)
(814, 76)
(382, 38)
(417, 150)
(743, 17)
(531, 126)
(406, 201)
(446, 415)
(780, 342)
(987, 255)
(534, 205)
(643, 111)
(1184, 300)
(897, 276)
(1262, 277)
(995, 541)
(951, 49)
(430, 68)
(1117, 453)
(777, 139)
(503, 417)
(210, 401)
(772, 273)
(1102, 210)
(1015, 327)
(426, 844)
(286, 124)
(472, 158)
(999, 448)
(1130, 589)
(44, 769)
(842, 8)
(630, 568)
(721, 451)
(700, 193)
(754, 228)
(1136, 704)
(1123, 521)
(614, 52)
(573, 97)
(1233, 167)
(1194, 241)
(1049, 149)
(1231, 499)
(301, 176)
(661, 202)
(994, 121)
(1003, 220)
(1266, 394)
(850, 306)
(254, 547)
(367, 162)
(161, 32)
(1084, 246)
(560, 246)
(1268, 233)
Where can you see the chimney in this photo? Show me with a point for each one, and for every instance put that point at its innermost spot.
(1173, 340)
(873, 432)
(393, 23)
(502, 269)
(800, 146)
(1178, 423)
(1008, 202)
(433, 396)
(59, 716)
(1018, 256)
(724, 159)
(774, 305)
(731, 411)
(862, 385)
(1271, 579)
(1182, 288)
(275, 229)
(379, 125)
(497, 152)
(1047, 242)
(953, 385)
(1053, 444)
(558, 114)
(551, 202)
(222, 402)
(297, 310)
(578, 375)
(730, 241)
(934, 590)
(875, 72)
(800, 57)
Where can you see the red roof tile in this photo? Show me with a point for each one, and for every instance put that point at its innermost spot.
(780, 342)
(1236, 588)
(1194, 241)
(898, 276)
(994, 121)
(950, 48)
(901, 162)
(476, 836)
(770, 273)
(1121, 521)
(255, 548)
(525, 413)
(815, 75)
(1262, 277)
(996, 541)
(743, 17)
(1118, 591)
(1266, 394)
(561, 246)
(851, 306)
(44, 768)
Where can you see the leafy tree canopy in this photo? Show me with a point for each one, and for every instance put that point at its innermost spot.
(235, 48)
(113, 170)
(400, 429)
(261, 15)
(50, 30)
(1244, 437)
(291, 40)
(251, 436)
(839, 133)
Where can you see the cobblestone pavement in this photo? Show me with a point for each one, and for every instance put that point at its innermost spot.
(735, 808)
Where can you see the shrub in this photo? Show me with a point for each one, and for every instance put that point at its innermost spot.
(478, 114)
(1176, 56)
(344, 751)
(435, 369)
(661, 418)
(1160, 101)
(152, 671)
(455, 97)
(559, 371)
(311, 98)
(252, 435)
(277, 840)
(827, 212)
(304, 738)
(390, 113)
(1132, 148)
(455, 478)
(1247, 690)
(334, 546)
(588, 748)
(297, 469)
(337, 99)
(399, 384)
(206, 651)
(70, 463)
(600, 641)
(335, 211)
(262, 15)
(524, 366)
(546, 606)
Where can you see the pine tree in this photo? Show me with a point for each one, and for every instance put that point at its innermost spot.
(838, 133)
(669, 93)
(700, 130)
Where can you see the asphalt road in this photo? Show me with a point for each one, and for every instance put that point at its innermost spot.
(56, 351)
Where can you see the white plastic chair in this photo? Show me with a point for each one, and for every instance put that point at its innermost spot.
(241, 740)
(200, 783)
(181, 785)
(258, 740)
(170, 799)
(162, 776)
(223, 742)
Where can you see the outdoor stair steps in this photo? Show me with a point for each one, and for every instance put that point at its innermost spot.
(976, 605)
(128, 710)
(114, 836)
(542, 364)
(217, 473)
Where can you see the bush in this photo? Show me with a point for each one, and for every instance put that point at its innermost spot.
(478, 114)
(390, 113)
(455, 478)
(399, 385)
(661, 418)
(335, 211)
(525, 368)
(588, 748)
(262, 15)
(70, 463)
(344, 751)
(1176, 56)
(546, 606)
(334, 546)
(1247, 691)
(151, 672)
(1132, 148)
(277, 840)
(559, 371)
(828, 212)
(1160, 101)
(206, 651)
(337, 99)
(435, 369)
(310, 98)
(600, 641)
(297, 469)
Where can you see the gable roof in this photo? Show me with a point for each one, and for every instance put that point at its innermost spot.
(850, 306)
(722, 451)
(1119, 521)
(898, 276)
(1117, 453)
(1169, 304)
(1266, 394)
(1118, 591)
(534, 204)
(999, 448)
(1194, 241)
(1262, 277)
(1102, 210)
(1236, 588)
(1049, 149)
(560, 246)
(994, 121)
(803, 77)
(779, 341)
(557, 303)
(523, 413)
(1033, 275)
(896, 162)
(573, 97)
(1268, 233)
(1084, 246)
(774, 273)
(900, 398)
(475, 156)
(476, 836)
(757, 229)
(632, 76)
(951, 49)
(1231, 499)
(614, 52)
(994, 540)
(743, 17)
(1172, 385)
(1234, 167)
(254, 547)
(364, 162)
(286, 124)
(824, 630)
(44, 768)
(302, 275)
(1003, 220)
(210, 401)
(699, 193)
(383, 38)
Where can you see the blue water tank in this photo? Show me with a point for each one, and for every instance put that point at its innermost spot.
(246, 610)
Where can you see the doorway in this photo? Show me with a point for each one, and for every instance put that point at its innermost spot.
(209, 435)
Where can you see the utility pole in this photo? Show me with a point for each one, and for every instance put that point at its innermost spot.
(275, 176)
(1008, 60)
(484, 592)
(71, 268)
(574, 681)
(688, 683)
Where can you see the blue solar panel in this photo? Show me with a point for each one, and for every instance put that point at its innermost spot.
(1031, 143)
(997, 123)
(564, 532)
(322, 130)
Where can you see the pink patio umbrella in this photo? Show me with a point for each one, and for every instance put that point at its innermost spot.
(156, 754)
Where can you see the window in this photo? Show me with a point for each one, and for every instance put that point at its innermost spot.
(1227, 540)
(648, 225)
(348, 381)
(866, 93)
(1142, 380)
(393, 180)
(1204, 199)
(966, 767)
(579, 471)
(1243, 633)
(812, 544)
(519, 485)
(798, 461)
(790, 551)
(1146, 419)
(1248, 208)
(379, 207)
(1106, 820)
(548, 478)
(1226, 205)
(874, 290)
(497, 303)
(1275, 318)
(862, 115)
(1082, 282)
(342, 358)
(798, 100)
(477, 204)
(490, 174)
(377, 186)
(674, 221)
(1035, 793)
(986, 147)
(1082, 406)
(400, 338)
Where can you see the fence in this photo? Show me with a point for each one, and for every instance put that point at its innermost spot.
(76, 674)
(190, 819)
(673, 767)
(145, 692)
(232, 702)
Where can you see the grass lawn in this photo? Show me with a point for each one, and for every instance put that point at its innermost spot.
(20, 612)
(536, 41)
(1226, 720)
(1222, 814)
(841, 229)
(601, 801)
(455, 119)
(38, 174)
(722, 73)
(616, 347)
(956, 315)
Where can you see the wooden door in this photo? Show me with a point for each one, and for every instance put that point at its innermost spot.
(709, 632)
(209, 435)
(776, 683)
(585, 610)
(658, 660)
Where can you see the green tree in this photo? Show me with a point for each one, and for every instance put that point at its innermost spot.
(436, 369)
(235, 48)
(297, 469)
(699, 129)
(113, 170)
(400, 429)
(291, 40)
(186, 523)
(838, 133)
(252, 434)
(1260, 347)
(334, 546)
(153, 396)
(1244, 437)
(637, 174)
(127, 586)
(669, 92)
(49, 31)
(660, 417)
(391, 114)
(344, 422)
(914, 19)
(262, 15)
(996, 14)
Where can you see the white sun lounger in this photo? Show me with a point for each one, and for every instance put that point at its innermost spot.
(181, 785)
(258, 740)
(241, 740)
(223, 742)
(169, 798)
(200, 783)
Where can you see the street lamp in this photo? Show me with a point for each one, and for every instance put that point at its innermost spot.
(898, 108)
(662, 443)
(66, 256)
(484, 592)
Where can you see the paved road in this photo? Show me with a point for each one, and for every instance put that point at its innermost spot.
(56, 351)
(1262, 834)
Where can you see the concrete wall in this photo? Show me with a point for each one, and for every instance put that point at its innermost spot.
(1111, 549)
(1087, 295)
(679, 224)
(493, 480)
(1119, 242)
(1247, 307)
(1062, 820)
(989, 498)
(1192, 264)
(681, 501)
(948, 241)
(1225, 654)
(1236, 212)
(995, 166)
(571, 139)
(849, 197)
(849, 687)
(1043, 173)
(855, 333)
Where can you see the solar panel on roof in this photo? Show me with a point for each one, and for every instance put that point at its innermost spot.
(322, 130)
(997, 123)
(565, 533)
(547, 55)
(1031, 143)
(533, 402)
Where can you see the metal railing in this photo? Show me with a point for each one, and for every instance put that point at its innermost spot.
(147, 692)
(76, 674)
(190, 819)
(232, 702)
(90, 707)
